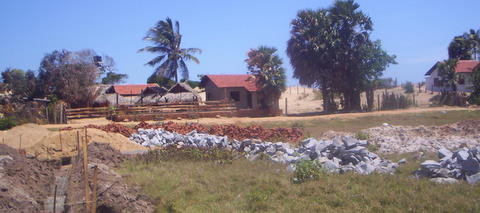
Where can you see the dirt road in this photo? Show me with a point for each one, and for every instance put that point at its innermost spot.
(225, 120)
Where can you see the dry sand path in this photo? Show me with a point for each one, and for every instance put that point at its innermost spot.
(224, 120)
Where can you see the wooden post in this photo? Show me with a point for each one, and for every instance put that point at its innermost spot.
(78, 143)
(46, 113)
(85, 171)
(286, 106)
(378, 100)
(94, 204)
(60, 135)
(414, 104)
(55, 199)
(117, 99)
(20, 144)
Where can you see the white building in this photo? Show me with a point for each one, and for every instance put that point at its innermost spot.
(464, 71)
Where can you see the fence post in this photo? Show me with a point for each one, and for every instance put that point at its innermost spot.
(378, 100)
(85, 171)
(60, 135)
(117, 99)
(55, 199)
(286, 106)
(94, 204)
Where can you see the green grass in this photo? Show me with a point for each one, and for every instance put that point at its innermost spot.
(316, 127)
(262, 186)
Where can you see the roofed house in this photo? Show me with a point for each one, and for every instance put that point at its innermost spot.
(242, 89)
(126, 94)
(130, 89)
(464, 70)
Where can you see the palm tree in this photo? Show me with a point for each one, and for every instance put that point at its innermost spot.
(266, 65)
(166, 38)
(447, 72)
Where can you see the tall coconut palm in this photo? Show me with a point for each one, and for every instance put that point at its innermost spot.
(447, 72)
(167, 39)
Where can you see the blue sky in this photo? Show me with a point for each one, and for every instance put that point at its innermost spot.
(418, 32)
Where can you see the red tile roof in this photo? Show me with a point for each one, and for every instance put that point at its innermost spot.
(131, 89)
(462, 66)
(248, 82)
(466, 65)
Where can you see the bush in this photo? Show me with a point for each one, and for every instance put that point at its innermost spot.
(408, 87)
(361, 136)
(172, 153)
(7, 123)
(306, 170)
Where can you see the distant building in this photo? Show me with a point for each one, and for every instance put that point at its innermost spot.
(242, 89)
(464, 69)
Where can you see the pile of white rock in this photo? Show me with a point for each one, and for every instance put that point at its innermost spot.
(342, 154)
(463, 164)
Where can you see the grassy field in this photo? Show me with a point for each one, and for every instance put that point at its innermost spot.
(315, 128)
(178, 184)
(242, 186)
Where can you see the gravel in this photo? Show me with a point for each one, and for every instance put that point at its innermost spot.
(339, 155)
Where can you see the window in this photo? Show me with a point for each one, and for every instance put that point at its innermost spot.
(235, 95)
(461, 80)
(437, 82)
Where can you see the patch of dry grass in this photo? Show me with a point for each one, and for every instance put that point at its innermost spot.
(262, 186)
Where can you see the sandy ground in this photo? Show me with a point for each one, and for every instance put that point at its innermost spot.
(225, 120)
(305, 100)
(43, 143)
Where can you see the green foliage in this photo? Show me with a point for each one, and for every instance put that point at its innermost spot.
(114, 78)
(394, 101)
(306, 170)
(475, 95)
(166, 39)
(22, 84)
(70, 76)
(161, 81)
(173, 153)
(362, 135)
(7, 123)
(266, 65)
(192, 84)
(325, 50)
(465, 47)
(408, 87)
(446, 70)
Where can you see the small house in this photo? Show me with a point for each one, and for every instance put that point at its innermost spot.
(241, 89)
(464, 70)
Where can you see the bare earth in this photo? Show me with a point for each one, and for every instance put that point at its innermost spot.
(234, 120)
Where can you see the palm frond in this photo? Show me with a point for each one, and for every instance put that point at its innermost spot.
(156, 60)
(183, 67)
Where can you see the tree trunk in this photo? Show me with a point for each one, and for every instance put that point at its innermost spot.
(369, 93)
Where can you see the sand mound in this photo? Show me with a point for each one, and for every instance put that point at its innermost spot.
(51, 148)
(31, 134)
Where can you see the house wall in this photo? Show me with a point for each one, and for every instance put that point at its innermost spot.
(213, 93)
(467, 87)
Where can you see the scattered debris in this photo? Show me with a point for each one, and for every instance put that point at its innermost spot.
(24, 183)
(343, 154)
(232, 131)
(463, 164)
(114, 195)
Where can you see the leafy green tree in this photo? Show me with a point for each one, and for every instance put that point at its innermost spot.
(166, 39)
(474, 97)
(160, 80)
(22, 84)
(113, 78)
(70, 76)
(331, 48)
(447, 73)
(466, 46)
(266, 65)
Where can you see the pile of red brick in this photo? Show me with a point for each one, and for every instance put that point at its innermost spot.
(117, 128)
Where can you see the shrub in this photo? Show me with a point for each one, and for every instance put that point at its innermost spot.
(306, 170)
(7, 123)
(361, 136)
(172, 153)
(408, 87)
